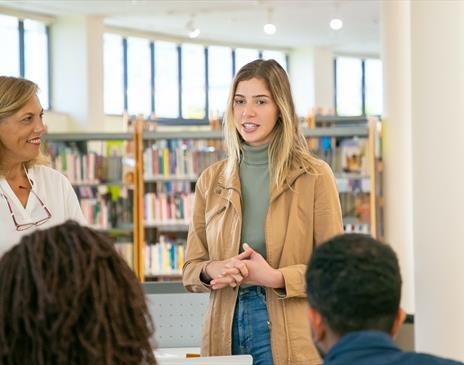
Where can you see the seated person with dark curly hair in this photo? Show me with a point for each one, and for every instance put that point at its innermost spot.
(68, 298)
(353, 284)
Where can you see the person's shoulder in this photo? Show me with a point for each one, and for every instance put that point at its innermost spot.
(49, 174)
(412, 358)
(213, 171)
(321, 167)
(317, 168)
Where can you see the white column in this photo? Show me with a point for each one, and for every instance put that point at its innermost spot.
(77, 59)
(437, 64)
(301, 69)
(324, 79)
(397, 150)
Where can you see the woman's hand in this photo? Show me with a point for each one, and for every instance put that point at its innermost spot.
(230, 272)
(253, 269)
(260, 272)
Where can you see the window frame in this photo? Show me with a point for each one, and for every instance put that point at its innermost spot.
(179, 121)
(363, 82)
(22, 55)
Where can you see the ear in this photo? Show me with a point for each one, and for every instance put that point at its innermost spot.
(317, 324)
(399, 319)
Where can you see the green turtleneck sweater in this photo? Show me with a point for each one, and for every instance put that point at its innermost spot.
(254, 181)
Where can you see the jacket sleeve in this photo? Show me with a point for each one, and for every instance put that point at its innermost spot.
(197, 255)
(327, 223)
(328, 220)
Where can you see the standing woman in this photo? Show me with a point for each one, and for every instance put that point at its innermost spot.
(31, 194)
(257, 217)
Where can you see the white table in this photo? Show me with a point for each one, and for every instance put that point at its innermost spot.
(176, 356)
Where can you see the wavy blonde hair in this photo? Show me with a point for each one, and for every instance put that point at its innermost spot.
(15, 93)
(288, 147)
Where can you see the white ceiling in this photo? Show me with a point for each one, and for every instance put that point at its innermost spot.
(300, 23)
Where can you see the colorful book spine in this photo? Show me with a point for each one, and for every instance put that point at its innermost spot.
(164, 258)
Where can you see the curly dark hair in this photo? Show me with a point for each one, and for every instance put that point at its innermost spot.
(354, 282)
(67, 297)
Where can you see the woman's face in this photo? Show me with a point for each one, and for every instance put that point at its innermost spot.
(255, 112)
(20, 133)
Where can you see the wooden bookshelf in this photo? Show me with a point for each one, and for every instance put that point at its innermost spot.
(367, 182)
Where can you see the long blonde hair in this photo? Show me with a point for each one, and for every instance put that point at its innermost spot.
(288, 147)
(15, 93)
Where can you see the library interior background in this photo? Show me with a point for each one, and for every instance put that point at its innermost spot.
(134, 92)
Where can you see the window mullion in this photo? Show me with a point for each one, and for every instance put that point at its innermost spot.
(179, 63)
(22, 70)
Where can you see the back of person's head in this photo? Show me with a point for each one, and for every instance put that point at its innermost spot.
(67, 297)
(354, 282)
(287, 147)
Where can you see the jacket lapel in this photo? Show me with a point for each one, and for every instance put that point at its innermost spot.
(230, 189)
(294, 174)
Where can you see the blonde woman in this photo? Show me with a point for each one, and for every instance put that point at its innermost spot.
(31, 194)
(257, 217)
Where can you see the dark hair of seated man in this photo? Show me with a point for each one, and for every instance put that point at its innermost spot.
(353, 283)
(67, 297)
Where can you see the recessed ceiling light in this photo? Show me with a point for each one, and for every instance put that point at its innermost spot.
(269, 28)
(336, 24)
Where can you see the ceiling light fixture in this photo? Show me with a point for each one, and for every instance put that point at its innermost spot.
(192, 30)
(269, 27)
(336, 24)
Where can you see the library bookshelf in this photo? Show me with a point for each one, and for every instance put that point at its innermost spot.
(159, 170)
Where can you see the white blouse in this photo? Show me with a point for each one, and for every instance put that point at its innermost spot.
(56, 193)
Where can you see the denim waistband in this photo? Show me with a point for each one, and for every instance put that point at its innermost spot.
(251, 289)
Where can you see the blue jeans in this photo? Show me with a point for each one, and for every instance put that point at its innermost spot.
(250, 327)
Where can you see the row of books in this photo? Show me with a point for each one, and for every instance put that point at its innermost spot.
(182, 158)
(164, 257)
(106, 207)
(347, 155)
(82, 166)
(355, 207)
(353, 183)
(168, 207)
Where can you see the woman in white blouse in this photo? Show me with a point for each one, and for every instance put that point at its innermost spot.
(32, 195)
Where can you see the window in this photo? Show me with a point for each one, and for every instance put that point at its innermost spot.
(138, 76)
(280, 57)
(358, 86)
(244, 56)
(374, 86)
(36, 57)
(9, 34)
(193, 82)
(113, 74)
(24, 46)
(180, 84)
(166, 80)
(219, 79)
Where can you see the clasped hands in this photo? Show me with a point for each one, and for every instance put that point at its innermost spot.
(249, 267)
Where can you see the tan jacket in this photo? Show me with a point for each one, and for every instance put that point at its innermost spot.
(297, 220)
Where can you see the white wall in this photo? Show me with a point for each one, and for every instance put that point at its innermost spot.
(312, 79)
(324, 79)
(77, 70)
(301, 68)
(397, 142)
(437, 64)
